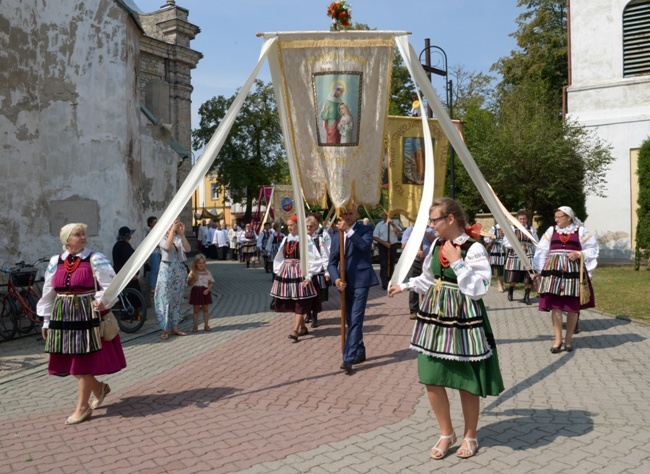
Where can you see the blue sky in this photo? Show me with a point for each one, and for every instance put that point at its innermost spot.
(474, 33)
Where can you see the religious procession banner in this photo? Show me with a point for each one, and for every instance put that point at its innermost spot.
(284, 204)
(406, 157)
(332, 91)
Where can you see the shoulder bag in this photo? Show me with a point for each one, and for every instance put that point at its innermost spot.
(585, 291)
(108, 327)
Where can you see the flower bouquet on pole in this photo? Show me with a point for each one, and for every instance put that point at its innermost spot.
(340, 13)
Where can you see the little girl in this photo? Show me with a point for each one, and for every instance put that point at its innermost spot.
(201, 282)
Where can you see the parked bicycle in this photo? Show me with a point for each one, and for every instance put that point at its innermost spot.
(130, 310)
(18, 313)
(19, 302)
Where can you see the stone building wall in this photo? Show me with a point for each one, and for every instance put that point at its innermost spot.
(76, 146)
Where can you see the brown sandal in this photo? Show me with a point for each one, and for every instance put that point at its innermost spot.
(165, 335)
(207, 328)
(178, 332)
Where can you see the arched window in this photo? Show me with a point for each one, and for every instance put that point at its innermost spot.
(636, 38)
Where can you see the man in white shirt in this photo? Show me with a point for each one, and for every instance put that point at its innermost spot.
(222, 243)
(210, 247)
(386, 234)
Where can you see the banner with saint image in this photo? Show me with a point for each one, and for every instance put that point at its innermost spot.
(405, 150)
(283, 202)
(334, 90)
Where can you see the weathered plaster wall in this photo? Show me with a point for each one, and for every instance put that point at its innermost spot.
(617, 109)
(71, 129)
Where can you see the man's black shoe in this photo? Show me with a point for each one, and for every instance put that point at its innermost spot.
(347, 367)
(360, 358)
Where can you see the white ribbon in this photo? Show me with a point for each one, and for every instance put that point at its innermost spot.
(421, 80)
(422, 220)
(195, 176)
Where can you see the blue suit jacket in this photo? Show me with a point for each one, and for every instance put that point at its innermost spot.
(358, 265)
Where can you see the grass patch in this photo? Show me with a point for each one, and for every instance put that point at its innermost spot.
(621, 291)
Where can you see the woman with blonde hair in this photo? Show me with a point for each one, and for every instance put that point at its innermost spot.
(72, 306)
(171, 279)
(452, 334)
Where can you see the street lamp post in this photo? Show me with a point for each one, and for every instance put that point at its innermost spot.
(441, 70)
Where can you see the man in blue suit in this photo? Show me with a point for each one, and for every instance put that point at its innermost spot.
(359, 277)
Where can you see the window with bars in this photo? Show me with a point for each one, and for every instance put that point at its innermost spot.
(636, 38)
(214, 191)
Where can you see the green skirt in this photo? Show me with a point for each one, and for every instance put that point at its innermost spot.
(481, 377)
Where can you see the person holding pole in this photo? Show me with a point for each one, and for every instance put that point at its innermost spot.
(452, 335)
(353, 275)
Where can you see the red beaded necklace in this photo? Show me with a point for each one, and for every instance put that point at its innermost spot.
(71, 264)
(291, 247)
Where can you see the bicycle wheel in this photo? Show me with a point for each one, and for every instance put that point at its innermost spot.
(8, 318)
(26, 322)
(130, 310)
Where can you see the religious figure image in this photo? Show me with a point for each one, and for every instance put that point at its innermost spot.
(337, 100)
(287, 204)
(413, 159)
(346, 124)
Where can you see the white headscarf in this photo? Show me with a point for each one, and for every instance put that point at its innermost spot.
(569, 212)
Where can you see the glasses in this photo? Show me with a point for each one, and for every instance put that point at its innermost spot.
(436, 219)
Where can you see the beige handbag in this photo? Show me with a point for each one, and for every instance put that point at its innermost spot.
(585, 291)
(108, 327)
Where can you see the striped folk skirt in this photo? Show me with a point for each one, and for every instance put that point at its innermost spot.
(497, 253)
(455, 343)
(74, 343)
(291, 296)
(559, 287)
(514, 271)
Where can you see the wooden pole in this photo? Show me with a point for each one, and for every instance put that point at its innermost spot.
(342, 275)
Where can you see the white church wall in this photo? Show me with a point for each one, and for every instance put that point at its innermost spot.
(617, 109)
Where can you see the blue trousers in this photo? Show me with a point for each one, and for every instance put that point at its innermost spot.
(355, 310)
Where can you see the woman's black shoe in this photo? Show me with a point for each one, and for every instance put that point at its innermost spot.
(527, 296)
(511, 291)
(308, 318)
(557, 350)
(314, 321)
(568, 348)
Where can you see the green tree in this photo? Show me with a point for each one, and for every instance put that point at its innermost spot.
(542, 40)
(533, 159)
(643, 212)
(253, 154)
(401, 88)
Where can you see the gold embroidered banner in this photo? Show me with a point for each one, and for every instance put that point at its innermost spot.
(405, 149)
(334, 89)
(284, 204)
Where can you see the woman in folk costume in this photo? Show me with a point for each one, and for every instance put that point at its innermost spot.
(273, 244)
(558, 258)
(248, 240)
(321, 280)
(514, 271)
(293, 291)
(497, 254)
(452, 334)
(71, 306)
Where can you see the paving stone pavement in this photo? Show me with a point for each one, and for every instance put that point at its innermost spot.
(244, 398)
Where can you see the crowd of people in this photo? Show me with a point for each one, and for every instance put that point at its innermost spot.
(451, 274)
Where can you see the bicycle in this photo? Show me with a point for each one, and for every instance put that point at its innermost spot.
(130, 310)
(20, 300)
